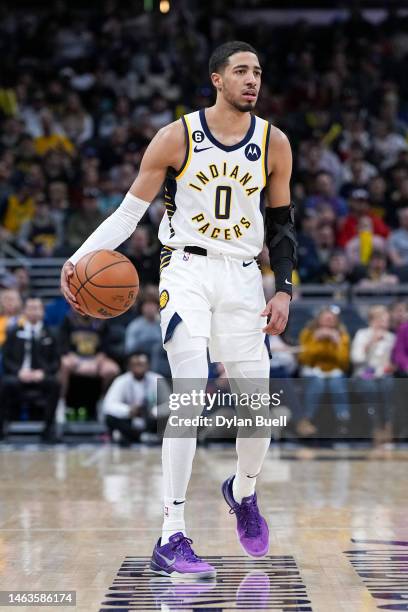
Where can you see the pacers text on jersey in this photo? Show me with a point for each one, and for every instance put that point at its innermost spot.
(235, 231)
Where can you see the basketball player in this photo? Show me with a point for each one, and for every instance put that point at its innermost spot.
(219, 165)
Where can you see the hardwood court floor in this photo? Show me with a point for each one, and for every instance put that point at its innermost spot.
(71, 518)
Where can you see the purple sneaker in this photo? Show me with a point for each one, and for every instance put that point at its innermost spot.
(178, 560)
(252, 529)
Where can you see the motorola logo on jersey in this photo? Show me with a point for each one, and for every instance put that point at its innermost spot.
(198, 136)
(252, 152)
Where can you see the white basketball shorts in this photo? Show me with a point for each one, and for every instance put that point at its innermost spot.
(218, 297)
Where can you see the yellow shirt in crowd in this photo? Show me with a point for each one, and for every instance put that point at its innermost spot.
(324, 353)
(17, 213)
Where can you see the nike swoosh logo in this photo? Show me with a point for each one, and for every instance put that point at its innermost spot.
(168, 561)
(287, 282)
(197, 150)
(176, 503)
(247, 263)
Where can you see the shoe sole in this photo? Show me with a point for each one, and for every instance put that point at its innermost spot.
(180, 576)
(250, 555)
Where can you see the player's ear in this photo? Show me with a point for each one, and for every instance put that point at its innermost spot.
(216, 80)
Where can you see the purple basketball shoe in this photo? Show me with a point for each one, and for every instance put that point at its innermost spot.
(252, 528)
(178, 560)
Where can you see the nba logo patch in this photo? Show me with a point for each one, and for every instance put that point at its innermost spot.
(186, 256)
(166, 511)
(252, 152)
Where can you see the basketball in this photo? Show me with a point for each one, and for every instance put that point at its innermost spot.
(105, 283)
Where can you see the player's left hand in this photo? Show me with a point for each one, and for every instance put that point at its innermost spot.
(278, 310)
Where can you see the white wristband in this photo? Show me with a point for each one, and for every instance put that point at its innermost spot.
(115, 229)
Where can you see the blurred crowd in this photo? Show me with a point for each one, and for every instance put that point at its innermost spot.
(82, 94)
(117, 365)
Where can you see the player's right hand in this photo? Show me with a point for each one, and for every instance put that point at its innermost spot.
(66, 273)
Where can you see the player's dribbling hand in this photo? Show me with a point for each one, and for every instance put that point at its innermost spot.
(278, 310)
(66, 273)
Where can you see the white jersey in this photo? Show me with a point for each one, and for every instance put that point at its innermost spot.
(215, 201)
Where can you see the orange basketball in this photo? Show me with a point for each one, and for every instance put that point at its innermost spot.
(105, 283)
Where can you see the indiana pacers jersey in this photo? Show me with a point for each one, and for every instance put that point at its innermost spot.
(215, 200)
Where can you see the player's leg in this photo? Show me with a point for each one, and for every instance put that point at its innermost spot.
(173, 554)
(251, 446)
(189, 368)
(249, 377)
(238, 341)
(185, 295)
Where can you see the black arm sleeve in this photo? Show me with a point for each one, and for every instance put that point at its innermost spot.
(282, 244)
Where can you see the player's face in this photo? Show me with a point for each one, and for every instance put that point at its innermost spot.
(240, 81)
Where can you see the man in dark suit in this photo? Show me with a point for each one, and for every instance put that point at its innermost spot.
(31, 361)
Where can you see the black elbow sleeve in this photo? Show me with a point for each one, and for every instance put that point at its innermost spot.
(282, 244)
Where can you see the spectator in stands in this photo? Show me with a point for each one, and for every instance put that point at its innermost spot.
(371, 358)
(308, 261)
(58, 166)
(398, 241)
(377, 190)
(110, 196)
(131, 403)
(357, 171)
(40, 236)
(400, 351)
(7, 280)
(31, 362)
(399, 197)
(356, 175)
(324, 357)
(284, 361)
(375, 275)
(58, 198)
(325, 243)
(10, 311)
(398, 314)
(22, 281)
(337, 270)
(17, 208)
(78, 125)
(359, 207)
(360, 248)
(386, 144)
(85, 350)
(144, 334)
(6, 172)
(83, 222)
(51, 136)
(315, 157)
(324, 191)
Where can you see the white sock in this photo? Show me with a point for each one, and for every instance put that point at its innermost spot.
(173, 518)
(243, 485)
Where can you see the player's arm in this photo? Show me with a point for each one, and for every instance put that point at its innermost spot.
(167, 149)
(280, 230)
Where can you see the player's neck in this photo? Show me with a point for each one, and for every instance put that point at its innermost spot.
(222, 115)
